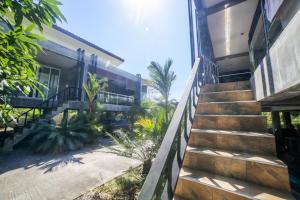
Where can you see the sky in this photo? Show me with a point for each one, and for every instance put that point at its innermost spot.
(139, 31)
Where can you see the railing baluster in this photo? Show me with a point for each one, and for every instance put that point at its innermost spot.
(190, 106)
(69, 94)
(5, 128)
(178, 134)
(25, 120)
(33, 114)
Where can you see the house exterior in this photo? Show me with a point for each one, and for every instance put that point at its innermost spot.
(65, 63)
(148, 92)
(245, 61)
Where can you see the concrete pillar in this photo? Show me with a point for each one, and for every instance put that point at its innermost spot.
(138, 96)
(64, 122)
(275, 121)
(83, 65)
(287, 119)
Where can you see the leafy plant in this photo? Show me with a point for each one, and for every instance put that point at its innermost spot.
(92, 89)
(19, 46)
(162, 79)
(86, 122)
(46, 138)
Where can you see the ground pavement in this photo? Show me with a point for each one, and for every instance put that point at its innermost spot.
(24, 176)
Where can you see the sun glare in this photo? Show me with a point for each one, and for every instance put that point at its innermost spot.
(142, 9)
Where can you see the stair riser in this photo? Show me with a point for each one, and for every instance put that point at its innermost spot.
(245, 108)
(227, 96)
(259, 173)
(258, 124)
(244, 85)
(191, 190)
(239, 143)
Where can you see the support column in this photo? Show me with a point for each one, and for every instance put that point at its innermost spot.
(191, 26)
(287, 119)
(275, 121)
(138, 96)
(83, 65)
(64, 122)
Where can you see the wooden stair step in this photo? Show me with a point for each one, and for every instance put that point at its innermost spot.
(263, 170)
(194, 184)
(230, 108)
(241, 85)
(252, 142)
(255, 123)
(178, 198)
(225, 96)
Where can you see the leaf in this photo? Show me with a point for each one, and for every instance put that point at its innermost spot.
(30, 28)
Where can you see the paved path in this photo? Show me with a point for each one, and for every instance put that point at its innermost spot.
(33, 177)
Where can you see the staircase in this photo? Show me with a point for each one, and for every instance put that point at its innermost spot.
(48, 117)
(65, 99)
(229, 154)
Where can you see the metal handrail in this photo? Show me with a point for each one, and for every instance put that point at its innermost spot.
(50, 103)
(120, 99)
(183, 114)
(162, 178)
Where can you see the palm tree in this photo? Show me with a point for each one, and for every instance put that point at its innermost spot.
(92, 88)
(162, 79)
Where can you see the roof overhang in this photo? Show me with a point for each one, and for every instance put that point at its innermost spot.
(73, 42)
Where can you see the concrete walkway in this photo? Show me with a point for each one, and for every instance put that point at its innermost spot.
(33, 177)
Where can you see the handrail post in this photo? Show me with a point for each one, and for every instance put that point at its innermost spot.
(69, 90)
(25, 118)
(5, 128)
(33, 114)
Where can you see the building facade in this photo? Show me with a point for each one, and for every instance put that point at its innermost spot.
(65, 63)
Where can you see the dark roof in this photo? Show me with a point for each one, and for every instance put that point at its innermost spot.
(86, 42)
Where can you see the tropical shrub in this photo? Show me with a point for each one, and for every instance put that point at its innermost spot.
(92, 89)
(162, 79)
(46, 138)
(143, 142)
(86, 122)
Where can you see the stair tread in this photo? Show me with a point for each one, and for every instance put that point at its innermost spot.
(232, 185)
(270, 160)
(227, 102)
(226, 91)
(228, 132)
(178, 198)
(213, 115)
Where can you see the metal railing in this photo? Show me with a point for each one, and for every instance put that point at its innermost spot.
(41, 110)
(161, 181)
(210, 72)
(114, 98)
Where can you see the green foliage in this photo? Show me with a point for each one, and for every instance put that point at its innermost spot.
(295, 117)
(87, 122)
(6, 112)
(124, 187)
(162, 79)
(137, 146)
(136, 112)
(19, 46)
(46, 138)
(92, 88)
(38, 12)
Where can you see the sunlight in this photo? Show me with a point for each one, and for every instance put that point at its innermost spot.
(140, 10)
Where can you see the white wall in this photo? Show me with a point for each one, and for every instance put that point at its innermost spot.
(285, 60)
